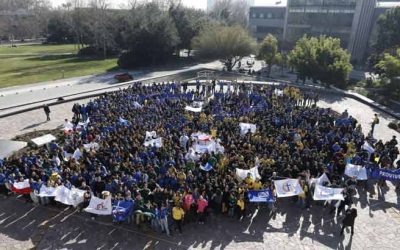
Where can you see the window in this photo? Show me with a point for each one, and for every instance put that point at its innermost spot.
(269, 15)
(261, 15)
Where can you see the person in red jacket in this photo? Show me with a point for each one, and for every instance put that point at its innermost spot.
(201, 208)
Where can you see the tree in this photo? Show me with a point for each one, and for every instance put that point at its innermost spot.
(389, 68)
(269, 51)
(230, 12)
(149, 35)
(388, 30)
(230, 44)
(188, 23)
(321, 58)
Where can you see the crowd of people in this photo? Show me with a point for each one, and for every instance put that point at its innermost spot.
(294, 139)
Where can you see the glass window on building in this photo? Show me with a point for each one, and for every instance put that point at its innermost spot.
(269, 15)
(254, 15)
(261, 15)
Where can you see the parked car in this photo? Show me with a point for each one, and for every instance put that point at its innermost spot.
(123, 77)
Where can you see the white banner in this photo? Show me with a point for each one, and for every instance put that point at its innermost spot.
(154, 142)
(42, 140)
(327, 193)
(242, 173)
(99, 206)
(357, 171)
(245, 127)
(71, 197)
(192, 109)
(47, 191)
(288, 187)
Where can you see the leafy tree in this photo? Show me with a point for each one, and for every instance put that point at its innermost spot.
(188, 22)
(149, 35)
(321, 58)
(228, 43)
(269, 52)
(388, 30)
(58, 29)
(230, 12)
(389, 68)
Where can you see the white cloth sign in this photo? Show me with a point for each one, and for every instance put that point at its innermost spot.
(288, 187)
(71, 197)
(327, 193)
(192, 109)
(99, 206)
(357, 171)
(154, 142)
(245, 127)
(242, 173)
(42, 140)
(22, 184)
(47, 191)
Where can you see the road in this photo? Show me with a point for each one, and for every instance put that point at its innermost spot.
(41, 92)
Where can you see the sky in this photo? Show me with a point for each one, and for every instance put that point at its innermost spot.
(199, 4)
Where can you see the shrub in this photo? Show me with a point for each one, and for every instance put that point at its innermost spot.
(393, 125)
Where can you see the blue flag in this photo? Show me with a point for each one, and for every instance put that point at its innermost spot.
(261, 196)
(121, 210)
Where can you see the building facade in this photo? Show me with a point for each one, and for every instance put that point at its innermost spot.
(352, 21)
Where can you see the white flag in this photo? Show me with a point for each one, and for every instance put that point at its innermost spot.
(47, 191)
(150, 135)
(368, 147)
(242, 173)
(357, 171)
(99, 206)
(71, 197)
(192, 109)
(154, 142)
(327, 193)
(288, 187)
(245, 127)
(77, 154)
(92, 145)
(322, 179)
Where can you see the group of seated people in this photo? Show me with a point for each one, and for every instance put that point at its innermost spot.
(294, 138)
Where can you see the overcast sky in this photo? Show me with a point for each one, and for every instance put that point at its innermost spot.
(200, 4)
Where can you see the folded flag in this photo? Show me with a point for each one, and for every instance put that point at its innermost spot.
(23, 187)
(99, 206)
(327, 193)
(207, 167)
(357, 171)
(47, 191)
(261, 195)
(288, 187)
(366, 146)
(242, 173)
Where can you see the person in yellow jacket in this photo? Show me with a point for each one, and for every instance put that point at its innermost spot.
(178, 215)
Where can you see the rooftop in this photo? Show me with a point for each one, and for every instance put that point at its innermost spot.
(270, 3)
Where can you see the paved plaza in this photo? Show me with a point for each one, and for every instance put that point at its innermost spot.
(24, 226)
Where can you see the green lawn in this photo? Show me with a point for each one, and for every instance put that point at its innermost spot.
(38, 63)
